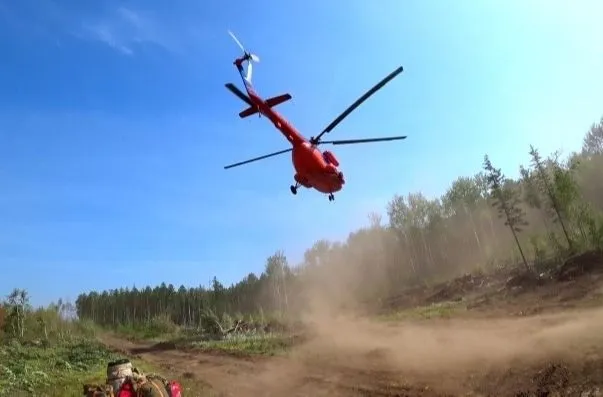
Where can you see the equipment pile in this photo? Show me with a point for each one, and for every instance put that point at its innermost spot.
(124, 380)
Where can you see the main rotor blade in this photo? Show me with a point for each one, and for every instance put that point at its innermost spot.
(233, 88)
(258, 158)
(359, 101)
(351, 141)
(236, 41)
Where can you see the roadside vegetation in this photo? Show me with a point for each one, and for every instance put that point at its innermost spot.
(48, 352)
(44, 352)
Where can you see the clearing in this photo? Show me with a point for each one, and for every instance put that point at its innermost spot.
(496, 335)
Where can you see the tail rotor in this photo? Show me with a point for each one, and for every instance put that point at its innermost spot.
(247, 56)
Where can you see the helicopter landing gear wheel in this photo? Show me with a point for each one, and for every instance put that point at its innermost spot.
(331, 197)
(293, 189)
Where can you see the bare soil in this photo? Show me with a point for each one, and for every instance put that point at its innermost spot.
(519, 336)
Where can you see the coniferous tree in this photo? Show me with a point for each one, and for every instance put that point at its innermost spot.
(506, 200)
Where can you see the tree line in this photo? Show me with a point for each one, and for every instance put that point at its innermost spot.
(483, 222)
(20, 320)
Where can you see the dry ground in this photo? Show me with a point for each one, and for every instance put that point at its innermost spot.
(506, 337)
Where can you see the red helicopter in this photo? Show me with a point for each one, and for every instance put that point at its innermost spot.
(314, 169)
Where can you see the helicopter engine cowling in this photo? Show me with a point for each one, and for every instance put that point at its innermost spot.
(330, 158)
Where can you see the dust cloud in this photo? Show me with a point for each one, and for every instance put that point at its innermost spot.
(450, 345)
(345, 347)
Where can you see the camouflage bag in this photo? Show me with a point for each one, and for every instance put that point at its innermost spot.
(151, 385)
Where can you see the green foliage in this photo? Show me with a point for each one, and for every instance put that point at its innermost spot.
(436, 310)
(506, 199)
(159, 326)
(45, 354)
(541, 259)
(209, 323)
(263, 344)
(594, 228)
(56, 370)
(16, 306)
(555, 186)
(593, 141)
(48, 353)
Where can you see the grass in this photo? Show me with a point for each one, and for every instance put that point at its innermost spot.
(51, 370)
(60, 369)
(436, 310)
(145, 332)
(255, 342)
(264, 344)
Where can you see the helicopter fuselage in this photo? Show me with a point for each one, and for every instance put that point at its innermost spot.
(313, 168)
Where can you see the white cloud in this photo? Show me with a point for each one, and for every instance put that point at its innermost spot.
(127, 30)
(123, 29)
(106, 35)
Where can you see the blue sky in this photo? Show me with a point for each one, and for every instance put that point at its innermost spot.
(115, 123)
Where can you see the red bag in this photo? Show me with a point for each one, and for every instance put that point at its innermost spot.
(126, 390)
(175, 389)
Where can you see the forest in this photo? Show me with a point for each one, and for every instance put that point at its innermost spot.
(483, 223)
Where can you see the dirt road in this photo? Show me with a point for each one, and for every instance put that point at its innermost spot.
(525, 356)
